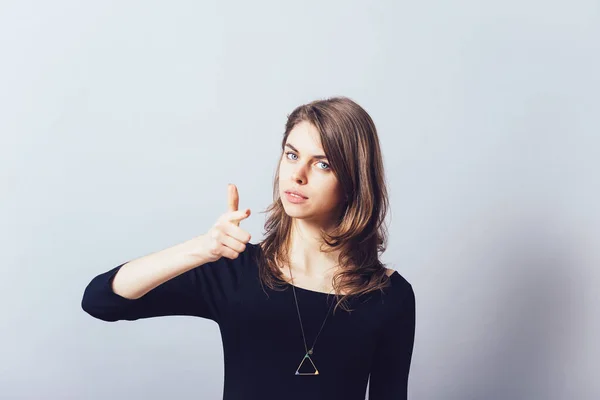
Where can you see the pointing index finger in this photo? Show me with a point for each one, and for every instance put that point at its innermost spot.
(233, 198)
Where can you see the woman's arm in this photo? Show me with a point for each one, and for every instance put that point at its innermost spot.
(137, 277)
(155, 285)
(391, 366)
(197, 277)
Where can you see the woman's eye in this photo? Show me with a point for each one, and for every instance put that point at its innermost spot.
(320, 162)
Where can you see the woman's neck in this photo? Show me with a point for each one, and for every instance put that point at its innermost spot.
(305, 251)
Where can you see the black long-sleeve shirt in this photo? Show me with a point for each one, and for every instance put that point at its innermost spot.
(262, 337)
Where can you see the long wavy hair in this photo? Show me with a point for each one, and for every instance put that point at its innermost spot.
(351, 144)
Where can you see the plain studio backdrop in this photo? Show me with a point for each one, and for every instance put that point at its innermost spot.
(123, 122)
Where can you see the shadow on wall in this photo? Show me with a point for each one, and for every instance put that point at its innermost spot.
(508, 313)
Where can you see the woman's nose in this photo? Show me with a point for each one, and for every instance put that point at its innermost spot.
(298, 175)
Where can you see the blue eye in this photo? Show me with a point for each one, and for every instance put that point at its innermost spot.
(320, 162)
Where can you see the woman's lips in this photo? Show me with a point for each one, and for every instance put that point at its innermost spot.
(292, 198)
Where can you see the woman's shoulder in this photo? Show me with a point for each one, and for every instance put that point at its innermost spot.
(400, 288)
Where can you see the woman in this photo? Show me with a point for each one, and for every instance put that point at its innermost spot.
(276, 302)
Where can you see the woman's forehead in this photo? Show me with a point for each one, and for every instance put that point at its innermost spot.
(305, 138)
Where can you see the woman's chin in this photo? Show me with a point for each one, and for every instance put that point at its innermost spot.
(294, 213)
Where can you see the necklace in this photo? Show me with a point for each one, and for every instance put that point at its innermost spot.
(309, 352)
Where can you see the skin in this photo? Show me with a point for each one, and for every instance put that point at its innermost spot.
(300, 170)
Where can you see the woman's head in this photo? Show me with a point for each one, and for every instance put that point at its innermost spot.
(330, 153)
(346, 187)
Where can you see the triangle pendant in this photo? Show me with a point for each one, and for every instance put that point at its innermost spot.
(307, 370)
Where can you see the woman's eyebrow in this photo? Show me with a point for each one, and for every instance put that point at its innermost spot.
(318, 157)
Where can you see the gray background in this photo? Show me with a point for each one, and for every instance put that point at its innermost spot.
(122, 123)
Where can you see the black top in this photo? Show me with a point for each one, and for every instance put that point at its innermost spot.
(261, 335)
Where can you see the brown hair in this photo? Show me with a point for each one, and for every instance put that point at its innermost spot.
(349, 139)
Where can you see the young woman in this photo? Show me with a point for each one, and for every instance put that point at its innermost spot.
(277, 302)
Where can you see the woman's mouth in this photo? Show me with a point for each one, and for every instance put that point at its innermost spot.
(292, 198)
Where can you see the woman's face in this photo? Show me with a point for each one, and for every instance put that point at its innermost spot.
(302, 169)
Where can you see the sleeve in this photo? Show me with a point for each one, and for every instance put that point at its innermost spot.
(391, 364)
(204, 291)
